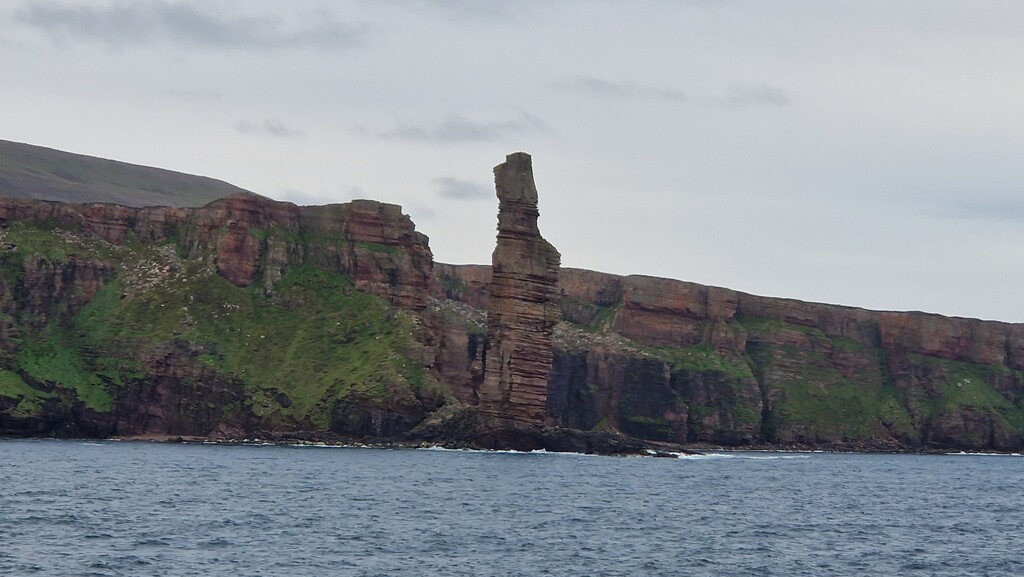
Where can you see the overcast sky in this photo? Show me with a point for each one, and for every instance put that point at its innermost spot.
(860, 153)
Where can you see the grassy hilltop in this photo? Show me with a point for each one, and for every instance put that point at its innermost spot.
(28, 171)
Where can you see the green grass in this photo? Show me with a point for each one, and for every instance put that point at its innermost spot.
(814, 399)
(962, 384)
(54, 361)
(317, 339)
(452, 286)
(702, 358)
(828, 404)
(29, 399)
(376, 247)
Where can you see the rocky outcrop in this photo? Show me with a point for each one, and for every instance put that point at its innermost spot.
(154, 356)
(522, 309)
(250, 238)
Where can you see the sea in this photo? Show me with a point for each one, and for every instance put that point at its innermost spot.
(105, 508)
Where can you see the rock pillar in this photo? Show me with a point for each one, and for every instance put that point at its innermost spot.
(523, 305)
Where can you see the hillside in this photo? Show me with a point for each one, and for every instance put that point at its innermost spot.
(244, 314)
(251, 317)
(28, 171)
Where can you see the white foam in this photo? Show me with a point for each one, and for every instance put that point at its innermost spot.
(966, 454)
(704, 456)
(744, 455)
(506, 451)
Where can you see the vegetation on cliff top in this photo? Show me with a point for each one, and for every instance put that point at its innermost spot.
(311, 344)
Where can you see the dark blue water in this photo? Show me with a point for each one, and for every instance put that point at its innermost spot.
(139, 509)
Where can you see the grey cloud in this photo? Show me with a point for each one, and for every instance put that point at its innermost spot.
(141, 23)
(755, 95)
(458, 189)
(268, 126)
(460, 129)
(619, 89)
(997, 210)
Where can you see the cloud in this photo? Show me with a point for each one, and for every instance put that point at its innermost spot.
(619, 89)
(469, 11)
(460, 129)
(739, 96)
(143, 23)
(995, 210)
(458, 189)
(745, 95)
(269, 127)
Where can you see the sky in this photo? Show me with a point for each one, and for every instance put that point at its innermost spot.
(864, 153)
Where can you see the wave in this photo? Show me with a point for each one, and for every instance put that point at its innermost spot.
(506, 451)
(745, 456)
(966, 454)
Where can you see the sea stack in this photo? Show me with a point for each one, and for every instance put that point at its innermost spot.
(523, 307)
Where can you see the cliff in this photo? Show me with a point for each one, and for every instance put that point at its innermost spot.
(249, 316)
(244, 315)
(669, 360)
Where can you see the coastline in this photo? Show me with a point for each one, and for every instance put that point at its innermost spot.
(650, 450)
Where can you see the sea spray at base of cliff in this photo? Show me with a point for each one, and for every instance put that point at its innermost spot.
(741, 455)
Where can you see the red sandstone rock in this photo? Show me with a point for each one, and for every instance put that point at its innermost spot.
(250, 235)
(523, 306)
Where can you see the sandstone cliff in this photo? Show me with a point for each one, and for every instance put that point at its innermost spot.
(246, 314)
(669, 360)
(249, 316)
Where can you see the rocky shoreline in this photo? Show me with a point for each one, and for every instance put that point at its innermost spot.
(292, 439)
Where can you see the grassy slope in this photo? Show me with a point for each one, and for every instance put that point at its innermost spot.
(28, 171)
(820, 401)
(315, 342)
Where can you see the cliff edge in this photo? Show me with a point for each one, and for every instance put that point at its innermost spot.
(249, 317)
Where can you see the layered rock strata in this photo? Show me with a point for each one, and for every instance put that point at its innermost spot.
(677, 361)
(234, 316)
(522, 309)
(119, 320)
(253, 238)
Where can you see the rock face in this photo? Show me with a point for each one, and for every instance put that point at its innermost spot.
(249, 316)
(120, 320)
(669, 360)
(256, 238)
(523, 309)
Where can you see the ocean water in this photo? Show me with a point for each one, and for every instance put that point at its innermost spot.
(139, 509)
